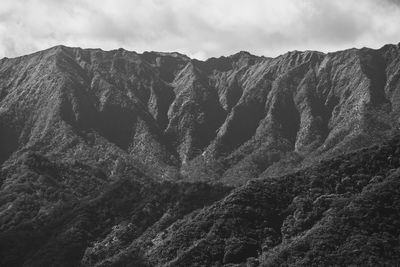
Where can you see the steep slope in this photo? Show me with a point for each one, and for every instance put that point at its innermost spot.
(304, 106)
(229, 118)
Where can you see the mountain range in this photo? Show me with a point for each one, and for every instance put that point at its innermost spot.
(115, 158)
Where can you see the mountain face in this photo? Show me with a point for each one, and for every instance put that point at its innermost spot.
(224, 119)
(114, 158)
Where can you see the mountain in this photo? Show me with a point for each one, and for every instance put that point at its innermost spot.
(115, 158)
(224, 119)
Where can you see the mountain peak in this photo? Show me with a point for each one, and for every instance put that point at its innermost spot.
(242, 54)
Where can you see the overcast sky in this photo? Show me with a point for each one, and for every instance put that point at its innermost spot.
(198, 28)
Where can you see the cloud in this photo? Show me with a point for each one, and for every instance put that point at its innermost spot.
(199, 28)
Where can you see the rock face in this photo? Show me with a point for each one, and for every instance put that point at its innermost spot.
(107, 157)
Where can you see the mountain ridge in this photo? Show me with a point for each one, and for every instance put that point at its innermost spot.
(114, 158)
(191, 107)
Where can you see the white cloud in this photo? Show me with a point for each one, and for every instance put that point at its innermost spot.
(199, 28)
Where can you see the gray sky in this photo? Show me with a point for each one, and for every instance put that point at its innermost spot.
(198, 28)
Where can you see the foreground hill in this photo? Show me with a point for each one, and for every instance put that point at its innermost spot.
(341, 212)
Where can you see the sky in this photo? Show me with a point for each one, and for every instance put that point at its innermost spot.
(198, 28)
